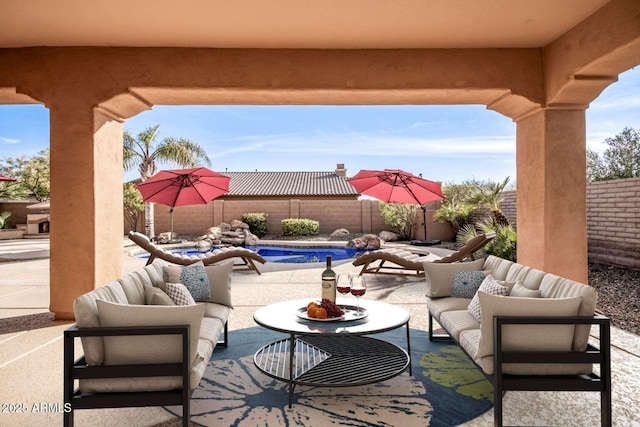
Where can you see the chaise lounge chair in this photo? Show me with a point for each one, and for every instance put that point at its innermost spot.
(408, 263)
(246, 255)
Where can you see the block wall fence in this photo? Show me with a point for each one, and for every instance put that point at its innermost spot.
(613, 218)
(613, 221)
(357, 216)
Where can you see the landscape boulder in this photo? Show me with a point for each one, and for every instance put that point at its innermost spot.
(388, 236)
(165, 237)
(367, 241)
(236, 224)
(340, 233)
(203, 245)
(250, 239)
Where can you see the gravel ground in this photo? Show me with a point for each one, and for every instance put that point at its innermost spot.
(618, 288)
(618, 295)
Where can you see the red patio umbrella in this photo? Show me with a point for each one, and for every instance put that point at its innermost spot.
(397, 186)
(181, 187)
(4, 178)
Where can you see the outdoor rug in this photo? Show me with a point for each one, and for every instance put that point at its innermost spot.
(446, 389)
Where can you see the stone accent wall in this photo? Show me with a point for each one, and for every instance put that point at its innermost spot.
(613, 221)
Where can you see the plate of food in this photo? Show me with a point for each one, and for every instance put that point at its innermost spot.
(326, 311)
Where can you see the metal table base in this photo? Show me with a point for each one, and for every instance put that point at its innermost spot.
(332, 360)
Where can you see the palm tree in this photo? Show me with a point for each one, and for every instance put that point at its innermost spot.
(490, 196)
(144, 152)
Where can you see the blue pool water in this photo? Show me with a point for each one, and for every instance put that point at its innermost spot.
(302, 255)
(289, 254)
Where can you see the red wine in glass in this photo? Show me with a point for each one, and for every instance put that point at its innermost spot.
(343, 284)
(358, 288)
(358, 292)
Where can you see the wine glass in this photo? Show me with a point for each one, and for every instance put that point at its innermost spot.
(358, 288)
(343, 283)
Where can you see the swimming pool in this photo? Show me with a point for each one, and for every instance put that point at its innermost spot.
(297, 255)
(303, 255)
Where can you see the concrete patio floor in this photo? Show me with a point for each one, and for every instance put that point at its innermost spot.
(31, 359)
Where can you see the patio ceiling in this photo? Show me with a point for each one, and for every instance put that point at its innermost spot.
(309, 24)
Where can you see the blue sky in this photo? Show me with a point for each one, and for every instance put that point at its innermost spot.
(443, 143)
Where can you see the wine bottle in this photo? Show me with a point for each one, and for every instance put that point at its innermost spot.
(329, 282)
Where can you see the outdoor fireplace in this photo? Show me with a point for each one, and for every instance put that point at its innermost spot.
(38, 218)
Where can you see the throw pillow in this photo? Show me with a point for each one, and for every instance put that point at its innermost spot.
(193, 276)
(179, 294)
(220, 281)
(150, 348)
(439, 276)
(519, 290)
(466, 283)
(155, 296)
(526, 337)
(490, 286)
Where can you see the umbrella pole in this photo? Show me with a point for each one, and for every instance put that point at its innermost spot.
(424, 220)
(171, 216)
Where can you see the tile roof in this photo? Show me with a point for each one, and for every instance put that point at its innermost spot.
(288, 184)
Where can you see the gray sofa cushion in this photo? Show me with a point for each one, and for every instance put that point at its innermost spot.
(437, 306)
(439, 276)
(133, 286)
(519, 290)
(499, 267)
(528, 276)
(469, 340)
(557, 287)
(149, 349)
(86, 313)
(220, 281)
(457, 321)
(526, 337)
(155, 296)
(155, 273)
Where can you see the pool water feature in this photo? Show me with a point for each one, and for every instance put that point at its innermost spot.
(284, 254)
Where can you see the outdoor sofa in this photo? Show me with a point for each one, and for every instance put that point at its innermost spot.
(140, 348)
(524, 328)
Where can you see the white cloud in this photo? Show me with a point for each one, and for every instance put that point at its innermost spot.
(4, 140)
(371, 145)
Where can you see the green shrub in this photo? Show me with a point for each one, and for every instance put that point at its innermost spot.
(300, 227)
(502, 246)
(399, 217)
(257, 223)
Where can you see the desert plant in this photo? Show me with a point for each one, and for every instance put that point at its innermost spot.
(133, 205)
(399, 217)
(489, 195)
(456, 213)
(4, 220)
(300, 227)
(257, 223)
(502, 246)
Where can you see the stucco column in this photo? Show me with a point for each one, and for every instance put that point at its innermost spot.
(86, 203)
(551, 181)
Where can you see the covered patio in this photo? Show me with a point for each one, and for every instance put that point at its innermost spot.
(31, 360)
(540, 64)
